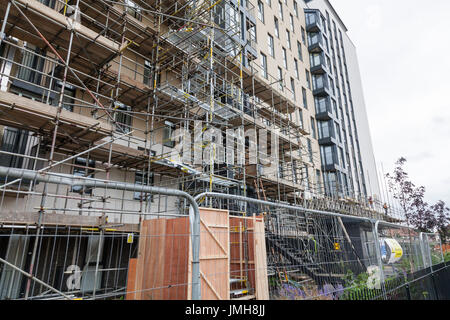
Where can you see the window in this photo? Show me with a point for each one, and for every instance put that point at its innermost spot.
(329, 64)
(318, 181)
(319, 82)
(83, 168)
(310, 151)
(325, 129)
(314, 38)
(308, 79)
(264, 65)
(315, 59)
(143, 179)
(280, 171)
(284, 58)
(32, 64)
(300, 118)
(338, 132)
(331, 82)
(322, 104)
(280, 78)
(68, 96)
(324, 24)
(269, 3)
(294, 171)
(277, 28)
(271, 45)
(326, 44)
(335, 109)
(296, 8)
(313, 128)
(243, 26)
(288, 38)
(14, 141)
(299, 51)
(122, 117)
(48, 3)
(341, 153)
(293, 89)
(327, 155)
(252, 35)
(280, 10)
(133, 9)
(296, 69)
(261, 11)
(305, 100)
(303, 35)
(307, 178)
(167, 134)
(147, 72)
(291, 22)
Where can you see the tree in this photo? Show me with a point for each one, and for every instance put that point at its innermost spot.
(442, 216)
(422, 216)
(411, 198)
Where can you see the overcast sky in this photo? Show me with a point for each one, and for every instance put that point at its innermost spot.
(404, 56)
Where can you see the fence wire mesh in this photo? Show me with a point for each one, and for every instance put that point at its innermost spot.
(247, 251)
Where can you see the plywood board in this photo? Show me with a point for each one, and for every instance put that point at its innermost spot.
(163, 267)
(162, 263)
(131, 283)
(214, 254)
(261, 279)
(38, 116)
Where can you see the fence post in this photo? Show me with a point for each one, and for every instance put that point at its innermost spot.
(378, 252)
(422, 249)
(442, 248)
(434, 285)
(408, 292)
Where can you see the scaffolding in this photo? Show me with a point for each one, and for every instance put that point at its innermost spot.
(108, 90)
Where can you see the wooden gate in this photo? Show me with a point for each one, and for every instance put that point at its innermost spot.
(214, 254)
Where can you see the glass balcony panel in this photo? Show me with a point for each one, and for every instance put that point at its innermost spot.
(322, 104)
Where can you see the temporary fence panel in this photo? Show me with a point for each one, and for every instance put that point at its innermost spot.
(433, 251)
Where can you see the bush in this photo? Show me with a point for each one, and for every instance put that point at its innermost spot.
(447, 256)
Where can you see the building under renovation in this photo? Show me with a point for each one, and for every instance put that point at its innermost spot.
(102, 100)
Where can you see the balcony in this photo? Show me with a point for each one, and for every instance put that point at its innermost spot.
(315, 42)
(321, 87)
(330, 167)
(328, 141)
(313, 22)
(318, 64)
(325, 115)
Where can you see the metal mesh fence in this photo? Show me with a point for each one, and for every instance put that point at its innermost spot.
(273, 251)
